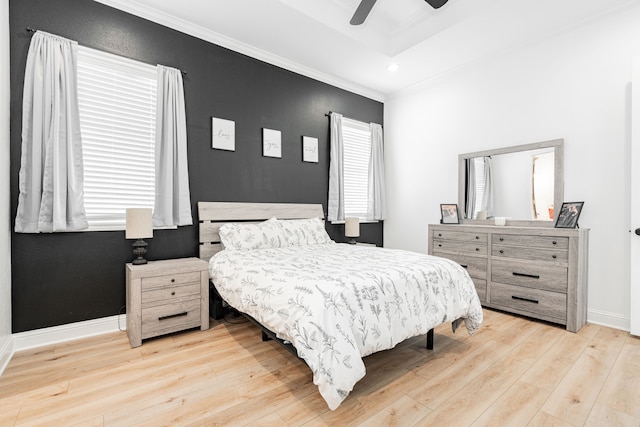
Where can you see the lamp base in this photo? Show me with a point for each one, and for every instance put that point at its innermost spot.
(139, 250)
(352, 241)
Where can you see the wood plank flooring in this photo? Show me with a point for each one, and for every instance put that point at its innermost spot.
(513, 372)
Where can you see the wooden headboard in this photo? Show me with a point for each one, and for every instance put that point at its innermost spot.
(212, 215)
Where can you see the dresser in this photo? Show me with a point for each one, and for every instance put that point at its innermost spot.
(166, 296)
(533, 271)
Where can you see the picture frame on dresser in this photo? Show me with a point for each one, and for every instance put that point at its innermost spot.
(569, 214)
(449, 213)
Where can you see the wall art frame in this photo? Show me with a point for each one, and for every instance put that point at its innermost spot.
(309, 149)
(223, 134)
(271, 143)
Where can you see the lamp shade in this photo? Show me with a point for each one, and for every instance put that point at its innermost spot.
(139, 223)
(352, 227)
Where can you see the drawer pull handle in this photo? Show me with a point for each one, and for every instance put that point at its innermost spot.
(439, 245)
(533, 276)
(535, 301)
(477, 249)
(477, 237)
(439, 234)
(554, 256)
(554, 242)
(501, 251)
(173, 292)
(171, 316)
(463, 266)
(502, 239)
(173, 280)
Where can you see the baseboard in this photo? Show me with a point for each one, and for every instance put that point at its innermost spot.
(6, 352)
(611, 320)
(69, 332)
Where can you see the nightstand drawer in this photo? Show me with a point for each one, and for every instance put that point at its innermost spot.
(170, 294)
(546, 305)
(531, 275)
(164, 319)
(170, 280)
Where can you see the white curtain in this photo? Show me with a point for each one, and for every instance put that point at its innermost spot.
(173, 200)
(376, 203)
(470, 208)
(487, 197)
(336, 170)
(51, 178)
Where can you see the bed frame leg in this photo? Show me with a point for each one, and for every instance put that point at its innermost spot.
(430, 339)
(265, 337)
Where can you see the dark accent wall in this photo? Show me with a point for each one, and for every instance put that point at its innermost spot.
(69, 277)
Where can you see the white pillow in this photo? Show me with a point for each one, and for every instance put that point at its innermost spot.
(239, 236)
(300, 232)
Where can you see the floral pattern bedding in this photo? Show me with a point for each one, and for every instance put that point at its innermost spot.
(337, 303)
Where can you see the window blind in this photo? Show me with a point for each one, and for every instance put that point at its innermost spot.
(117, 101)
(357, 150)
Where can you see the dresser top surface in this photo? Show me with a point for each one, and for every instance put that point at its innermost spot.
(508, 229)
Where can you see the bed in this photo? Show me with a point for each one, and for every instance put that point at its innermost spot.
(332, 303)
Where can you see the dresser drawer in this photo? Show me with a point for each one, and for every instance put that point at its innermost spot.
(481, 289)
(546, 305)
(477, 248)
(170, 294)
(548, 242)
(538, 254)
(164, 319)
(170, 280)
(475, 266)
(460, 236)
(532, 275)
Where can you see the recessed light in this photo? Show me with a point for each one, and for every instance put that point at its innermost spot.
(393, 67)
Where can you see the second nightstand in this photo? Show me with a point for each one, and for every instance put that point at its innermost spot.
(166, 296)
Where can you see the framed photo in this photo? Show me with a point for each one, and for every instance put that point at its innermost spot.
(223, 134)
(569, 214)
(309, 149)
(271, 143)
(449, 214)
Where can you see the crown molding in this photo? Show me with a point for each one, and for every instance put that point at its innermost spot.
(205, 34)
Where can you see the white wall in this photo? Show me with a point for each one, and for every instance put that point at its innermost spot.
(573, 85)
(5, 223)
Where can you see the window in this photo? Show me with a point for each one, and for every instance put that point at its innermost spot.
(357, 150)
(117, 102)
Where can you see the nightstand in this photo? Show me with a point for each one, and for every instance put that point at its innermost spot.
(166, 296)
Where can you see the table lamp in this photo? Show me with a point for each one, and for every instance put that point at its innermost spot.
(139, 227)
(352, 229)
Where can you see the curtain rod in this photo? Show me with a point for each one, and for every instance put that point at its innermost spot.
(331, 112)
(184, 73)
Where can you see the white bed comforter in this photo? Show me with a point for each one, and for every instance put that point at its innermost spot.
(337, 303)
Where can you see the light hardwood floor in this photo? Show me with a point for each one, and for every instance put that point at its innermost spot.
(513, 372)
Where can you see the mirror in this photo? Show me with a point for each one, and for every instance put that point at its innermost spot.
(523, 183)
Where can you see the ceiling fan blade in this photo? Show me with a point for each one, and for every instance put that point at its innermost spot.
(362, 12)
(436, 4)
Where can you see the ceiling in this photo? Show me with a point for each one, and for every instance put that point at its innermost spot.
(314, 38)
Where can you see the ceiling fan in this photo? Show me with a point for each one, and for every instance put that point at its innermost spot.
(366, 5)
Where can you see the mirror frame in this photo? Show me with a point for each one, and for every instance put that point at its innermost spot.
(558, 183)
